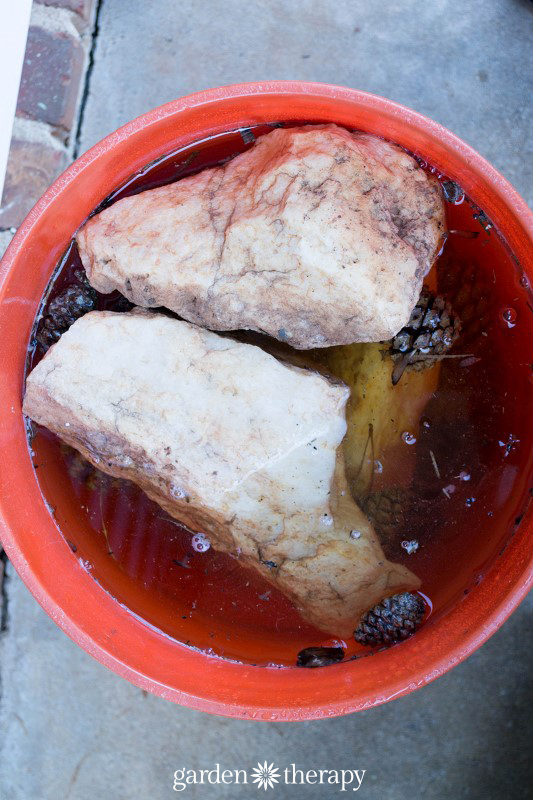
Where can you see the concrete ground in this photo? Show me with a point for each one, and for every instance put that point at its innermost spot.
(71, 730)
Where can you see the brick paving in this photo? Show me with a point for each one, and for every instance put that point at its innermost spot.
(36, 157)
(58, 56)
(83, 8)
(54, 66)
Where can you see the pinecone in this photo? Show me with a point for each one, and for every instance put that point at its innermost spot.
(319, 656)
(431, 331)
(69, 305)
(470, 289)
(387, 510)
(392, 620)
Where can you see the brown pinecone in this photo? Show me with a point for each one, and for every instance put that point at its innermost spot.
(431, 331)
(69, 305)
(387, 510)
(469, 289)
(392, 620)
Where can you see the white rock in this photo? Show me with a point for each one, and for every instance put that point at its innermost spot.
(316, 235)
(250, 443)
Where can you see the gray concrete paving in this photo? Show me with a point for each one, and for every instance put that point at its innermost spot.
(70, 729)
(5, 241)
(462, 64)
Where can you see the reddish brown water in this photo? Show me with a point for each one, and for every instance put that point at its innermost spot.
(478, 426)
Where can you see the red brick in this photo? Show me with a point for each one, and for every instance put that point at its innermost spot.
(51, 77)
(31, 168)
(81, 7)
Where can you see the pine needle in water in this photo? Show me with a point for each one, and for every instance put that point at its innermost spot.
(435, 465)
(104, 527)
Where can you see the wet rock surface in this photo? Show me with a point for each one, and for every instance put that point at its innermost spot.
(316, 236)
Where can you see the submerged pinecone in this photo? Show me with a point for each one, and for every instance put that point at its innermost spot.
(392, 620)
(69, 305)
(470, 289)
(387, 510)
(431, 331)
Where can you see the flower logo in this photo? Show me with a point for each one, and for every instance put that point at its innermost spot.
(265, 775)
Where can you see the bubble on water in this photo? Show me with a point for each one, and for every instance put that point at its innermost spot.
(334, 643)
(509, 316)
(410, 546)
(378, 467)
(177, 492)
(524, 282)
(200, 542)
(464, 475)
(408, 438)
(355, 534)
(470, 502)
(426, 422)
(327, 520)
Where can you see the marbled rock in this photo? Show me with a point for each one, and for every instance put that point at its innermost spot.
(315, 235)
(227, 440)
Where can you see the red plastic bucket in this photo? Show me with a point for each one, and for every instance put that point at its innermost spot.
(40, 554)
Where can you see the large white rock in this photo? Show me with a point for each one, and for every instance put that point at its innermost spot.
(316, 235)
(230, 442)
